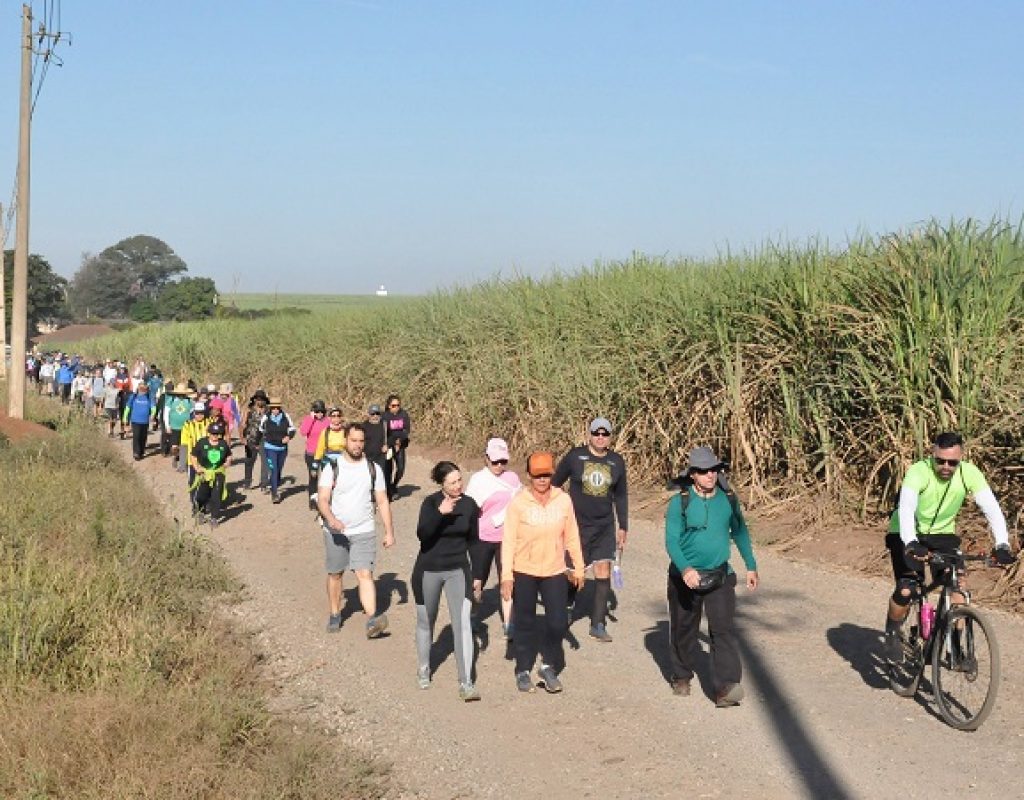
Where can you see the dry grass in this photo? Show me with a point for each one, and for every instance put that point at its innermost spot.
(116, 677)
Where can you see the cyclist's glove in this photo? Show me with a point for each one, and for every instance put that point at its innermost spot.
(916, 550)
(1003, 556)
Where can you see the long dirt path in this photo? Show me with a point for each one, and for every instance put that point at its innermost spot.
(818, 720)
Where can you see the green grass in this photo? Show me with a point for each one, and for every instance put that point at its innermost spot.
(804, 366)
(119, 676)
(319, 303)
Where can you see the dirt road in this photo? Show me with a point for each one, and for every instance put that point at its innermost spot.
(818, 720)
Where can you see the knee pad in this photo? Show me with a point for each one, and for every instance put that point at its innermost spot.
(909, 586)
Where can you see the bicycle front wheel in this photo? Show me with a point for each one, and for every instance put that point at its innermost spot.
(965, 668)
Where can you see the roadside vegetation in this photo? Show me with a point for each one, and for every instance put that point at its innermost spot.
(120, 675)
(806, 365)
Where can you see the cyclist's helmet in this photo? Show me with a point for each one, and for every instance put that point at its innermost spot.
(216, 428)
(319, 406)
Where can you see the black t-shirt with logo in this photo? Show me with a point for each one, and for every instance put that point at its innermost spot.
(597, 486)
(210, 455)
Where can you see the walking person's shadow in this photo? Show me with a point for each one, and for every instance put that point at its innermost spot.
(656, 640)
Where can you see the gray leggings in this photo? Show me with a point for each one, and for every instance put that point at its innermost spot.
(427, 588)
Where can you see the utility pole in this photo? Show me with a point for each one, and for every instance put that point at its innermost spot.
(19, 304)
(3, 294)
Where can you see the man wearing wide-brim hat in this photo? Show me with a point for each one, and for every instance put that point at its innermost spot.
(176, 412)
(701, 523)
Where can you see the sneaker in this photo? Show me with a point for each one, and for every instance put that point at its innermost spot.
(468, 693)
(523, 682)
(423, 678)
(681, 687)
(892, 649)
(729, 695)
(550, 680)
(275, 498)
(334, 623)
(598, 632)
(376, 626)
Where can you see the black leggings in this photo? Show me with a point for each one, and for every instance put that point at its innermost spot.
(140, 433)
(553, 592)
(397, 469)
(208, 498)
(313, 468)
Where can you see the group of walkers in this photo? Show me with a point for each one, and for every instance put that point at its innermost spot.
(557, 539)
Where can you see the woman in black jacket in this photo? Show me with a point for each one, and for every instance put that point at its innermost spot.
(398, 426)
(448, 525)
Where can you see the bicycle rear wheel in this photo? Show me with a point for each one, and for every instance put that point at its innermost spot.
(965, 668)
(905, 676)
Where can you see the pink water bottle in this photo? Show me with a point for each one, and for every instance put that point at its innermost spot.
(927, 618)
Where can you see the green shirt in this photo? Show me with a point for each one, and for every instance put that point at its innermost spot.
(937, 499)
(703, 542)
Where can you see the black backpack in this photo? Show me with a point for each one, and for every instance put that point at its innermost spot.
(684, 482)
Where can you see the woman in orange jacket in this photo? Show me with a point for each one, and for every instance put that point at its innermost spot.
(540, 528)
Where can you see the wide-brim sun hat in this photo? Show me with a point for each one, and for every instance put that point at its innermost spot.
(274, 401)
(703, 458)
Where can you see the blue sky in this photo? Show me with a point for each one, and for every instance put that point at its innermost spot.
(334, 145)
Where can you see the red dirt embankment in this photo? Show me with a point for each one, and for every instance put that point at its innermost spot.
(19, 429)
(72, 333)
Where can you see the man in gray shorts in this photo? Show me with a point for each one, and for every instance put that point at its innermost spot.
(347, 490)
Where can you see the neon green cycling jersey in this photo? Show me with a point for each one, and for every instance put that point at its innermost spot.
(939, 501)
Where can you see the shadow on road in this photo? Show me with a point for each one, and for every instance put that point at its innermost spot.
(859, 647)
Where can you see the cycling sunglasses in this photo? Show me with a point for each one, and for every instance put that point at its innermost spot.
(952, 462)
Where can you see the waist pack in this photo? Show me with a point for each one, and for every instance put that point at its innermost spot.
(711, 579)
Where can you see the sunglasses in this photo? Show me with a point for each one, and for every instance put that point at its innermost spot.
(696, 471)
(502, 461)
(600, 433)
(394, 405)
(952, 462)
(335, 416)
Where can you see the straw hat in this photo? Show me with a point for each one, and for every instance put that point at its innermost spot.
(182, 389)
(274, 401)
(225, 388)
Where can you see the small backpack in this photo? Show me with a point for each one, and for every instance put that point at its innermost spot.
(684, 482)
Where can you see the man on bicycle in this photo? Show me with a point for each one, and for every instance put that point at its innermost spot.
(932, 493)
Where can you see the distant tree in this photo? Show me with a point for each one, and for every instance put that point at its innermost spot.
(189, 298)
(144, 311)
(46, 292)
(109, 284)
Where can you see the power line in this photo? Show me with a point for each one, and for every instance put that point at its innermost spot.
(44, 43)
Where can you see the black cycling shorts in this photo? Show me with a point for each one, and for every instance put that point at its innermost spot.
(908, 569)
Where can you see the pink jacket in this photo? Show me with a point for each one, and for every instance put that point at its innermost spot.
(311, 428)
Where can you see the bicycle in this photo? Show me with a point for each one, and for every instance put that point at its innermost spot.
(958, 642)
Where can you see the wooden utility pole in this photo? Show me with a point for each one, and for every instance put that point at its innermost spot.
(19, 304)
(3, 295)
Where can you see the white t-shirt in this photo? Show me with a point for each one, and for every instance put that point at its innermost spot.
(109, 373)
(351, 502)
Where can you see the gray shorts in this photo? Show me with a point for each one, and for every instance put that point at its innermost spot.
(359, 552)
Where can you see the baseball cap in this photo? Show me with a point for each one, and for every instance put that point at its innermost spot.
(200, 408)
(497, 449)
(601, 424)
(374, 409)
(540, 464)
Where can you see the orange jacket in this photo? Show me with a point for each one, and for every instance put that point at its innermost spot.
(538, 536)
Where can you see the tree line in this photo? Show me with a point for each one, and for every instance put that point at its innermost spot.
(140, 278)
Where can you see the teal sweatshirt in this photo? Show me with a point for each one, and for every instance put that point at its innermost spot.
(703, 542)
